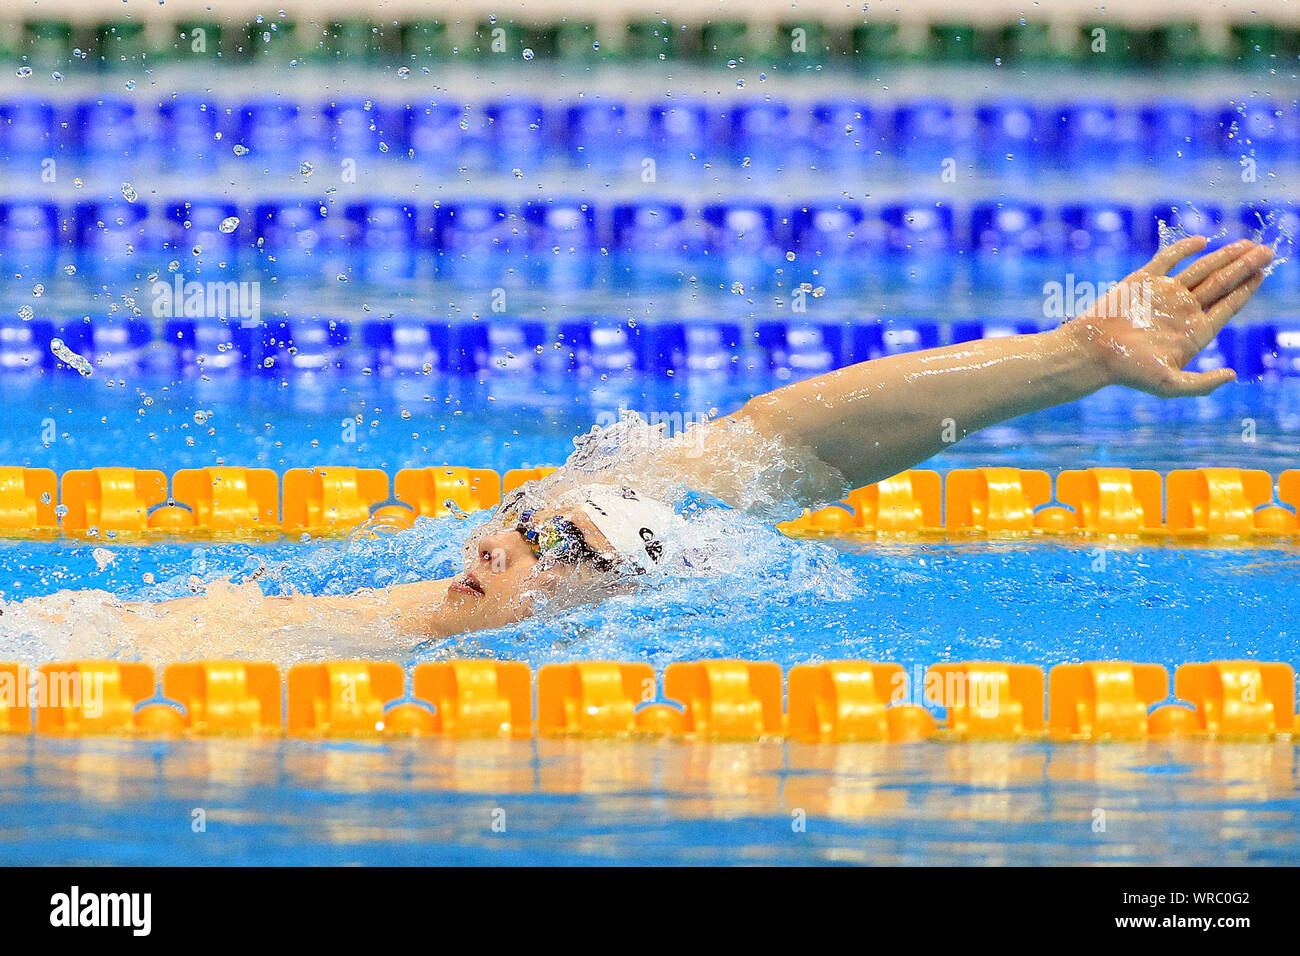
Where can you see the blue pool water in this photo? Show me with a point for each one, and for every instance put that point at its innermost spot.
(626, 802)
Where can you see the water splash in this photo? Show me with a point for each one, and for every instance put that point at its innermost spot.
(71, 358)
(1276, 227)
(726, 460)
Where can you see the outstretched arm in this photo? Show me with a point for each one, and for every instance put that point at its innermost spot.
(878, 418)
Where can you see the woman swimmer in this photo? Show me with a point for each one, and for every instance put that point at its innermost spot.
(574, 540)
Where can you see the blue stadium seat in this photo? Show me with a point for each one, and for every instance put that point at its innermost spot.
(679, 134)
(475, 227)
(930, 130)
(108, 131)
(362, 128)
(24, 346)
(517, 134)
(28, 132)
(661, 347)
(1098, 228)
(1173, 133)
(834, 229)
(847, 134)
(1010, 228)
(568, 225)
(597, 347)
(186, 132)
(1097, 136)
(197, 223)
(512, 347)
(115, 234)
(715, 348)
(30, 235)
(292, 236)
(1265, 129)
(766, 134)
(214, 340)
(385, 239)
(1010, 137)
(446, 136)
(281, 133)
(605, 135)
(661, 228)
(1287, 357)
(405, 344)
(1251, 350)
(800, 348)
(119, 345)
(317, 344)
(741, 229)
(973, 330)
(927, 228)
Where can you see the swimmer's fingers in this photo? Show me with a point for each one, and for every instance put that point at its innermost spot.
(1223, 281)
(1202, 267)
(1231, 304)
(1192, 384)
(1171, 255)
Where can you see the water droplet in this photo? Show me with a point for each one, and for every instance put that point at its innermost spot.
(38, 290)
(26, 313)
(789, 257)
(58, 77)
(404, 72)
(69, 357)
(731, 64)
(528, 53)
(229, 224)
(129, 193)
(596, 45)
(241, 149)
(23, 72)
(70, 269)
(519, 173)
(130, 84)
(78, 183)
(305, 168)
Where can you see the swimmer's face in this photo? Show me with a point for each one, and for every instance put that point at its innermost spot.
(505, 577)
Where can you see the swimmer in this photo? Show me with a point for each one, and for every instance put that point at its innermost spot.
(574, 539)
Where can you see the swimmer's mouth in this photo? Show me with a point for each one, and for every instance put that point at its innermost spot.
(466, 583)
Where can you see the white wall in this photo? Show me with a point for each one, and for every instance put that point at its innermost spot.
(695, 11)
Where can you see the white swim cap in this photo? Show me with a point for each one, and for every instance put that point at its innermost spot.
(633, 524)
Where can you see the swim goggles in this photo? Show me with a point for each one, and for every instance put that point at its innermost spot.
(558, 539)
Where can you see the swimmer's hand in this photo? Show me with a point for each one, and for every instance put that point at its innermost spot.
(1150, 325)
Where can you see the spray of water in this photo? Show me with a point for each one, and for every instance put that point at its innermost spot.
(721, 564)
